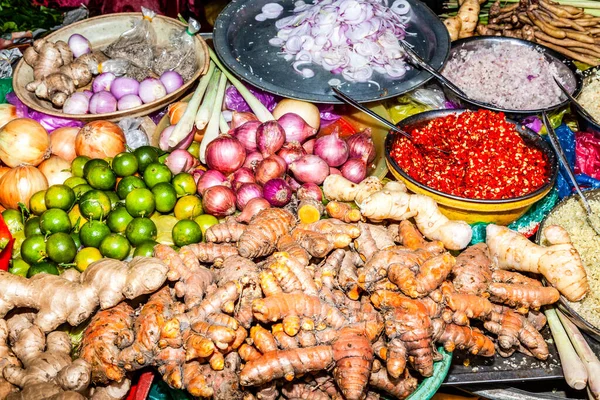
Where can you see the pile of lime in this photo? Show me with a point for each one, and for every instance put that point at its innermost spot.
(116, 208)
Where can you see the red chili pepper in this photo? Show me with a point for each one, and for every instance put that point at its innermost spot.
(6, 245)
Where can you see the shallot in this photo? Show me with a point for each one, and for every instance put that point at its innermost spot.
(309, 146)
(354, 170)
(270, 168)
(310, 191)
(77, 103)
(219, 201)
(151, 89)
(277, 192)
(79, 45)
(252, 208)
(247, 192)
(252, 160)
(171, 80)
(103, 82)
(180, 160)
(240, 118)
(305, 110)
(310, 168)
(163, 141)
(291, 151)
(128, 102)
(246, 134)
(295, 127)
(225, 154)
(103, 102)
(241, 176)
(209, 179)
(270, 136)
(123, 86)
(332, 149)
(361, 145)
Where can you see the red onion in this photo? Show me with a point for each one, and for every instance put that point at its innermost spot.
(180, 160)
(171, 80)
(103, 82)
(128, 102)
(209, 179)
(247, 192)
(151, 89)
(295, 127)
(225, 154)
(77, 103)
(355, 170)
(293, 183)
(123, 86)
(219, 201)
(277, 192)
(79, 45)
(270, 168)
(252, 208)
(163, 141)
(334, 171)
(240, 118)
(309, 146)
(310, 191)
(88, 93)
(361, 145)
(103, 102)
(246, 134)
(252, 160)
(197, 174)
(269, 138)
(332, 149)
(241, 176)
(291, 151)
(310, 168)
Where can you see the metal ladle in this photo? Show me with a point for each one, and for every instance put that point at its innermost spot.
(589, 217)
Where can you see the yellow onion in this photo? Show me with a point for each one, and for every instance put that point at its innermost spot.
(23, 141)
(100, 139)
(62, 142)
(3, 170)
(8, 112)
(56, 170)
(19, 184)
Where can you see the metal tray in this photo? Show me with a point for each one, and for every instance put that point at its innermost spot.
(242, 43)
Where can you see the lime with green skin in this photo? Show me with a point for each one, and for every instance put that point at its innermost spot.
(101, 177)
(205, 221)
(47, 267)
(59, 196)
(188, 207)
(33, 249)
(140, 203)
(194, 149)
(118, 219)
(115, 246)
(140, 230)
(80, 190)
(94, 204)
(55, 220)
(128, 184)
(186, 232)
(75, 181)
(164, 226)
(77, 166)
(125, 164)
(92, 233)
(18, 267)
(146, 155)
(32, 227)
(19, 239)
(114, 199)
(96, 162)
(165, 197)
(61, 248)
(145, 249)
(13, 220)
(77, 219)
(184, 184)
(37, 203)
(85, 257)
(76, 239)
(156, 173)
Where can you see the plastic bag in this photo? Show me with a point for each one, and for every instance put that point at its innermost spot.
(179, 54)
(117, 66)
(235, 102)
(137, 44)
(49, 122)
(417, 101)
(587, 151)
(134, 136)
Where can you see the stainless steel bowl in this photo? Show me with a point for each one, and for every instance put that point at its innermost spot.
(584, 123)
(567, 71)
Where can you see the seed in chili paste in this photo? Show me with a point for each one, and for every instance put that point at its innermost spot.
(487, 158)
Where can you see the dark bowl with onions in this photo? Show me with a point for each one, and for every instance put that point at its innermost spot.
(565, 68)
(584, 123)
(502, 211)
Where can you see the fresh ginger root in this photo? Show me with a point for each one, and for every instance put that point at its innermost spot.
(261, 236)
(336, 187)
(463, 24)
(559, 262)
(7, 357)
(473, 271)
(343, 211)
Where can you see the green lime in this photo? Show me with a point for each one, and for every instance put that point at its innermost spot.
(77, 166)
(115, 246)
(127, 184)
(32, 227)
(75, 181)
(140, 203)
(85, 257)
(61, 248)
(165, 197)
(76, 239)
(101, 177)
(114, 199)
(94, 204)
(55, 220)
(164, 228)
(140, 230)
(145, 155)
(96, 162)
(194, 149)
(80, 190)
(125, 164)
(33, 249)
(13, 220)
(18, 267)
(184, 184)
(145, 249)
(47, 267)
(60, 196)
(77, 220)
(19, 239)
(188, 207)
(205, 221)
(186, 232)
(92, 233)
(118, 219)
(156, 173)
(37, 202)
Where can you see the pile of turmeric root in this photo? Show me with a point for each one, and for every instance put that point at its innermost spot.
(276, 308)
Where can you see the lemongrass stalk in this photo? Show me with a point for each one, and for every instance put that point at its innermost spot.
(212, 129)
(186, 123)
(258, 108)
(223, 127)
(205, 110)
(586, 354)
(574, 371)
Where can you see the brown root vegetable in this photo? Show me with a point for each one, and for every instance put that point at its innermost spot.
(229, 231)
(261, 236)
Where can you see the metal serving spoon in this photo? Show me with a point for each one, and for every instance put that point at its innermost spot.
(573, 100)
(589, 217)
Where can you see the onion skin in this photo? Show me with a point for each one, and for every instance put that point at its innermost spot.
(360, 145)
(8, 112)
(270, 168)
(56, 170)
(225, 154)
(175, 111)
(209, 179)
(252, 160)
(246, 134)
(242, 175)
(219, 201)
(309, 146)
(100, 139)
(332, 149)
(310, 168)
(270, 137)
(247, 192)
(3, 170)
(277, 192)
(62, 143)
(354, 170)
(295, 127)
(291, 151)
(19, 184)
(308, 111)
(23, 141)
(240, 118)
(252, 208)
(180, 160)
